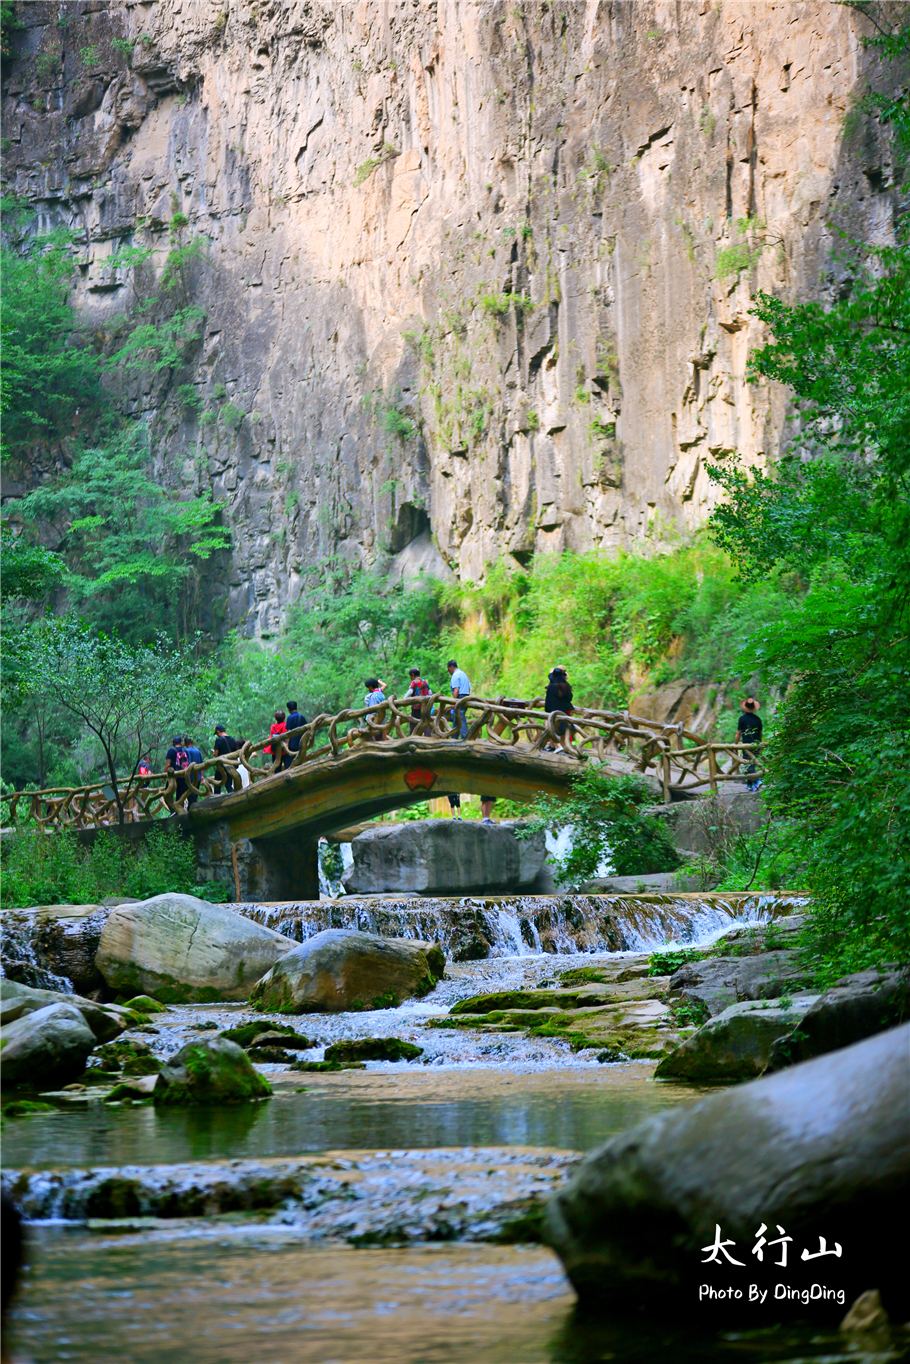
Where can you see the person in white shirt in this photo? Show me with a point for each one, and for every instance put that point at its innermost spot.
(458, 681)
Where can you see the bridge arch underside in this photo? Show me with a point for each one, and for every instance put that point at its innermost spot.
(275, 824)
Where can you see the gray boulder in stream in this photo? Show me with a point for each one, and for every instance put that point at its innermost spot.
(821, 1150)
(444, 856)
(341, 970)
(180, 950)
(105, 1020)
(48, 1046)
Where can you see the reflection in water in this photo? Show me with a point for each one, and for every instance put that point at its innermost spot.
(230, 1295)
(571, 1110)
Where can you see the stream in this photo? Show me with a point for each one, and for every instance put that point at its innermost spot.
(149, 1241)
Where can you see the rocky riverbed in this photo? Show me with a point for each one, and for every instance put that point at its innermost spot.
(509, 1069)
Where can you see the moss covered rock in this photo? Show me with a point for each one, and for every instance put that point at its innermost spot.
(247, 1034)
(373, 1049)
(129, 1057)
(211, 1071)
(341, 970)
(144, 1004)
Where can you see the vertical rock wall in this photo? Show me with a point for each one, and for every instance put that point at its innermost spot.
(460, 281)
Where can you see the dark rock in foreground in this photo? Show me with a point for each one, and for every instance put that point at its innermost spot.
(340, 970)
(822, 1150)
(212, 1071)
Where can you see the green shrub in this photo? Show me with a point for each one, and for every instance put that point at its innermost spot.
(38, 869)
(605, 814)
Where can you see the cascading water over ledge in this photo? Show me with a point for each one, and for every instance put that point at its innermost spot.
(474, 927)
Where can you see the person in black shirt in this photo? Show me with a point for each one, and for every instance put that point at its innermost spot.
(558, 698)
(224, 775)
(748, 731)
(294, 721)
(176, 760)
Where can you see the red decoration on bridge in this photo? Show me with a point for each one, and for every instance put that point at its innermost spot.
(421, 779)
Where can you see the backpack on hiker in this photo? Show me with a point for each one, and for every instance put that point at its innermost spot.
(182, 760)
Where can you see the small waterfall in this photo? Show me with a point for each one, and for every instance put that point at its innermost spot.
(25, 955)
(474, 927)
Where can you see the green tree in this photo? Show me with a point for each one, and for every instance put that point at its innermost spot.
(604, 813)
(50, 371)
(836, 512)
(133, 548)
(345, 628)
(128, 696)
(27, 572)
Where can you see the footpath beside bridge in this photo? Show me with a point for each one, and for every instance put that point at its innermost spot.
(263, 836)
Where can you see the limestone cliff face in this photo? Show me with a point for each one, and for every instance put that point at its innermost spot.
(460, 289)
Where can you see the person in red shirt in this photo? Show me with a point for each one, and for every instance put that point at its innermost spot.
(418, 689)
(279, 727)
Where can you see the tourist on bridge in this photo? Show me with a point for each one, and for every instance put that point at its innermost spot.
(176, 760)
(374, 697)
(375, 692)
(417, 688)
(195, 756)
(748, 731)
(278, 727)
(225, 775)
(558, 699)
(294, 721)
(458, 681)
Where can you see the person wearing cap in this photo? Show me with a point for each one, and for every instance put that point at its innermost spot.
(417, 688)
(225, 775)
(748, 731)
(176, 760)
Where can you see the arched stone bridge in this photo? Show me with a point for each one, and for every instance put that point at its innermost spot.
(264, 836)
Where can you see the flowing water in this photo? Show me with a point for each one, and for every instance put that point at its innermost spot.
(152, 1239)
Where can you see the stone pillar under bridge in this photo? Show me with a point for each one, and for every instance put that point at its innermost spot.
(284, 867)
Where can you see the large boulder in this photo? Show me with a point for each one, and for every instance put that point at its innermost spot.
(340, 970)
(105, 1020)
(736, 1044)
(183, 950)
(821, 1150)
(444, 856)
(211, 1071)
(855, 1007)
(46, 1047)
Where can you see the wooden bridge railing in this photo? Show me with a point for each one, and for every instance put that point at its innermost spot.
(678, 757)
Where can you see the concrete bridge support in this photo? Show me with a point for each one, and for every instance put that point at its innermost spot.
(281, 867)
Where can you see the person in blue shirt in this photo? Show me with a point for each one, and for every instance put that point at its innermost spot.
(458, 681)
(375, 693)
(295, 720)
(195, 756)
